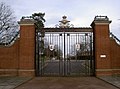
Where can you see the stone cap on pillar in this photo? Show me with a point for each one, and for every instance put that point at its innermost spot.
(26, 21)
(101, 20)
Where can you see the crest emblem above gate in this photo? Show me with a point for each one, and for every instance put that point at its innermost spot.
(51, 47)
(64, 23)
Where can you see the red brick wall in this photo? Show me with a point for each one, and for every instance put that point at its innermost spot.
(104, 45)
(19, 58)
(101, 47)
(115, 56)
(9, 58)
(27, 50)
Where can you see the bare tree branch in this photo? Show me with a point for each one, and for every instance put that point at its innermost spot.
(7, 18)
(8, 23)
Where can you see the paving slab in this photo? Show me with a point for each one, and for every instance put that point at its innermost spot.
(115, 80)
(8, 82)
(66, 83)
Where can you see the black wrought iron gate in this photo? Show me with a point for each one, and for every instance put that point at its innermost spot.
(64, 52)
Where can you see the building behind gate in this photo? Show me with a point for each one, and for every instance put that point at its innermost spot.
(100, 54)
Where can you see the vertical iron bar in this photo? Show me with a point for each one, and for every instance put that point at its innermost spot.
(91, 58)
(64, 54)
(37, 53)
(75, 46)
(41, 66)
(70, 56)
(68, 53)
(79, 53)
(59, 52)
(85, 55)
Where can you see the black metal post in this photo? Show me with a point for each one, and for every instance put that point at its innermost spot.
(64, 55)
(37, 54)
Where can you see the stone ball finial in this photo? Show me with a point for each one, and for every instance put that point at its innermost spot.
(64, 17)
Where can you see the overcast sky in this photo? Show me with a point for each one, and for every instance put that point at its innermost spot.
(81, 13)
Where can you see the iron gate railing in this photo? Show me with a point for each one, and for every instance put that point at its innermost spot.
(64, 52)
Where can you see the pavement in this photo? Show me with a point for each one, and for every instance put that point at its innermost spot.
(114, 80)
(9, 82)
(66, 83)
(60, 82)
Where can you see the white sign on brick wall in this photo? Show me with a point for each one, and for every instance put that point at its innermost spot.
(102, 56)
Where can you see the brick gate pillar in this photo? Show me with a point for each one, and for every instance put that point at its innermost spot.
(27, 48)
(100, 27)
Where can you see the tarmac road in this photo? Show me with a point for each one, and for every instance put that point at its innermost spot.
(72, 67)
